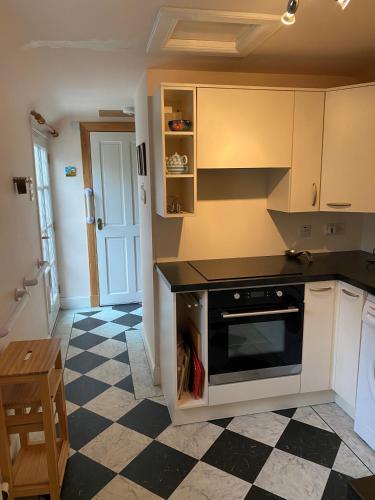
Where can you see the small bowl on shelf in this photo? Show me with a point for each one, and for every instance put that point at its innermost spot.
(179, 125)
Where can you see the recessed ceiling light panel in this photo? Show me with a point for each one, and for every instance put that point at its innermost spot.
(210, 32)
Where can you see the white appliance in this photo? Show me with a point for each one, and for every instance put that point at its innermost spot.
(364, 424)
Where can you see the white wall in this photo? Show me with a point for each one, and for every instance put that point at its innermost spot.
(20, 245)
(69, 212)
(368, 235)
(146, 228)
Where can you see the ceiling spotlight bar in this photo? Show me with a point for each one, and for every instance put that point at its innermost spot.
(289, 16)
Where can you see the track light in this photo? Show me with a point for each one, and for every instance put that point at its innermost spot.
(343, 3)
(289, 16)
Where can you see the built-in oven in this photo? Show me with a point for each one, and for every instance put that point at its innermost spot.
(255, 333)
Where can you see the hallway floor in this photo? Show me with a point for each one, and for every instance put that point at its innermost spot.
(123, 446)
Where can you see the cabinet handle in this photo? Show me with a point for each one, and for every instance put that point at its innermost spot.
(339, 205)
(323, 289)
(351, 294)
(315, 194)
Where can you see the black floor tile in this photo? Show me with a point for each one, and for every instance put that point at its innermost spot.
(88, 324)
(287, 413)
(222, 422)
(84, 478)
(126, 384)
(87, 340)
(128, 320)
(127, 308)
(84, 425)
(84, 389)
(123, 357)
(256, 493)
(84, 362)
(120, 337)
(338, 488)
(238, 455)
(89, 313)
(305, 441)
(148, 418)
(159, 468)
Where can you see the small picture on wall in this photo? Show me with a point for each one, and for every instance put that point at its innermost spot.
(141, 159)
(70, 171)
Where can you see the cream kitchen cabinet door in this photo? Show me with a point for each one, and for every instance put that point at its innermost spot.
(297, 189)
(318, 336)
(348, 169)
(244, 128)
(349, 306)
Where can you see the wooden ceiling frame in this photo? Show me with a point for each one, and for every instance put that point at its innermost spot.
(85, 129)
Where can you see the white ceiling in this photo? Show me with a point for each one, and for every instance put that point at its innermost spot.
(81, 55)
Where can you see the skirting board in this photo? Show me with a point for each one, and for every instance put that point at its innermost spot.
(206, 413)
(155, 370)
(74, 302)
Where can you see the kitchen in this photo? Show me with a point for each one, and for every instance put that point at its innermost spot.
(272, 329)
(207, 175)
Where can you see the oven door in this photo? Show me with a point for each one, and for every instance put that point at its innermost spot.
(255, 344)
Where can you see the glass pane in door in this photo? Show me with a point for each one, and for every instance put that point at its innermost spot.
(46, 224)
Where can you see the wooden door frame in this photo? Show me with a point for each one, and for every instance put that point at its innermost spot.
(85, 129)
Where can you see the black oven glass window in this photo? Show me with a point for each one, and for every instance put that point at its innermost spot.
(251, 339)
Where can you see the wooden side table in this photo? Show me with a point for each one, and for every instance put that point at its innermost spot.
(31, 396)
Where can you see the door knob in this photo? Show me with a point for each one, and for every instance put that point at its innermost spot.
(100, 224)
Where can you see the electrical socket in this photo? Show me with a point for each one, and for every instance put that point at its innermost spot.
(305, 231)
(335, 228)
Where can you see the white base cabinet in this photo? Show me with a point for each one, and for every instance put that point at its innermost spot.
(349, 306)
(318, 336)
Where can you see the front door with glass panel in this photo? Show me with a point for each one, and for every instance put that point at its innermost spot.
(47, 231)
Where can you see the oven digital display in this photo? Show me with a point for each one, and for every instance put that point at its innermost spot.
(257, 294)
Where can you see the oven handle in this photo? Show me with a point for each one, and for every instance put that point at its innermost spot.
(289, 310)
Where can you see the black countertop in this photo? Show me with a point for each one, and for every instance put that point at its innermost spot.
(351, 267)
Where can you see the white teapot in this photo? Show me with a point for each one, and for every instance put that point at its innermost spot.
(177, 164)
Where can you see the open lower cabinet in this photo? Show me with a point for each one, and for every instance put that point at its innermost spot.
(183, 326)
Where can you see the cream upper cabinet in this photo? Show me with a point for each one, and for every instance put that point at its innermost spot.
(348, 171)
(244, 128)
(298, 189)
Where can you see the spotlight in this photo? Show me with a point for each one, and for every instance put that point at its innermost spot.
(289, 17)
(343, 3)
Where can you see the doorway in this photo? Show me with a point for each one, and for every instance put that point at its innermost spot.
(110, 170)
(46, 225)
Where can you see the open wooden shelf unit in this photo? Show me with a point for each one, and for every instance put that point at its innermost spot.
(173, 102)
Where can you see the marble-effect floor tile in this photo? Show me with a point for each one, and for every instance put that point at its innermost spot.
(342, 424)
(192, 439)
(112, 403)
(208, 483)
(115, 447)
(121, 488)
(292, 477)
(263, 427)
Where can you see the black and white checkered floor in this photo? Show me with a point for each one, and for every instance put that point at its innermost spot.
(125, 448)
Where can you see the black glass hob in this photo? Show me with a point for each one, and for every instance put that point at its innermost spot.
(251, 267)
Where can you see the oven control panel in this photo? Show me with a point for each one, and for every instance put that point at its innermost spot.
(256, 296)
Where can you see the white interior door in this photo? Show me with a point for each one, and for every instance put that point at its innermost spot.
(46, 223)
(114, 171)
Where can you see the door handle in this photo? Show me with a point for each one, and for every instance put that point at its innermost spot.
(45, 237)
(100, 224)
(350, 294)
(315, 194)
(323, 289)
(339, 205)
(289, 310)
